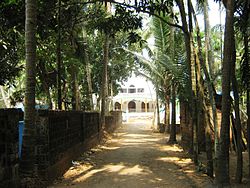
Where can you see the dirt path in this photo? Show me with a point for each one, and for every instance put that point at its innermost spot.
(134, 158)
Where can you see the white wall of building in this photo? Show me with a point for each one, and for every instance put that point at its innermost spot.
(136, 90)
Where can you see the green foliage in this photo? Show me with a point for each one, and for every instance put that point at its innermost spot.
(242, 22)
(11, 40)
(173, 69)
(9, 2)
(17, 96)
(151, 6)
(123, 20)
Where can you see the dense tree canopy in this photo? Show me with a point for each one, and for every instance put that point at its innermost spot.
(83, 48)
(11, 40)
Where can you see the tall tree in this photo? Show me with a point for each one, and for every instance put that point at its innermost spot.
(122, 20)
(235, 87)
(208, 41)
(88, 69)
(194, 84)
(104, 89)
(59, 57)
(243, 23)
(157, 107)
(28, 150)
(189, 51)
(203, 114)
(222, 166)
(172, 138)
(210, 77)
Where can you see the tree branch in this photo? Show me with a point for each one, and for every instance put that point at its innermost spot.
(138, 9)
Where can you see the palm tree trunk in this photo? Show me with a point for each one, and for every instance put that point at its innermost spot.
(88, 70)
(157, 109)
(238, 175)
(208, 41)
(28, 147)
(246, 33)
(222, 166)
(209, 148)
(90, 89)
(203, 121)
(194, 87)
(59, 58)
(172, 138)
(248, 128)
(111, 104)
(187, 35)
(203, 111)
(209, 61)
(104, 89)
(75, 88)
(181, 6)
(172, 56)
(167, 114)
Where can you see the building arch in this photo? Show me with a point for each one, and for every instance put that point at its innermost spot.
(117, 106)
(143, 106)
(131, 106)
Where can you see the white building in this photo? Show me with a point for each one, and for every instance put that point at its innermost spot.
(137, 95)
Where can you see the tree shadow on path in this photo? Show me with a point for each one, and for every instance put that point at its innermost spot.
(134, 157)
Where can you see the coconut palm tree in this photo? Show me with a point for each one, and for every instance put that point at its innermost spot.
(59, 58)
(104, 89)
(202, 109)
(222, 166)
(242, 24)
(28, 150)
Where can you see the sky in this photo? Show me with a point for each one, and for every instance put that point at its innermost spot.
(214, 14)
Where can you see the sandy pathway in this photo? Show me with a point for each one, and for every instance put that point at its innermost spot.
(134, 158)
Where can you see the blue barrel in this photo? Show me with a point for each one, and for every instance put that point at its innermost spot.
(20, 129)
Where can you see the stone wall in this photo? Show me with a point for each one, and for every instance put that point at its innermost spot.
(117, 115)
(109, 123)
(57, 133)
(61, 136)
(113, 120)
(9, 147)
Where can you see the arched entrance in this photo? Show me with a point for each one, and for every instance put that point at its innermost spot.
(131, 106)
(148, 110)
(143, 106)
(117, 106)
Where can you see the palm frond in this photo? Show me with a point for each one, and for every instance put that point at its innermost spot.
(148, 63)
(161, 32)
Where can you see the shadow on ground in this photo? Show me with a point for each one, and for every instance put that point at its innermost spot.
(134, 157)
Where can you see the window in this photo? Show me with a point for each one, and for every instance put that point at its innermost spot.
(140, 90)
(132, 90)
(123, 90)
